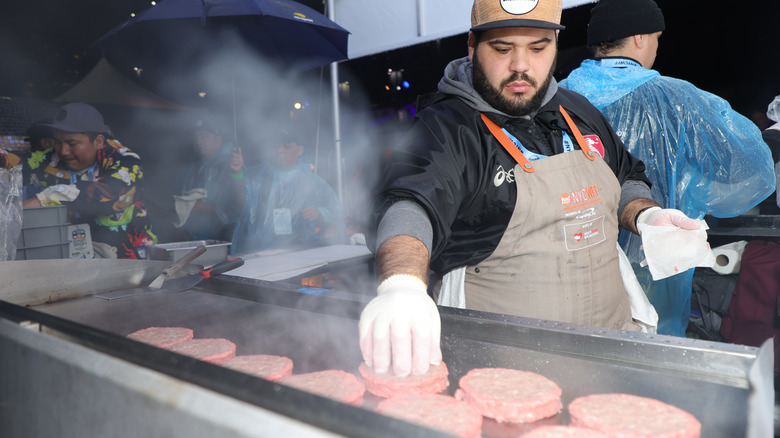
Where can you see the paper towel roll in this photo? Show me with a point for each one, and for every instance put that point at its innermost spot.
(728, 257)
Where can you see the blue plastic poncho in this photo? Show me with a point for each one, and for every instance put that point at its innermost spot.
(701, 156)
(272, 217)
(212, 174)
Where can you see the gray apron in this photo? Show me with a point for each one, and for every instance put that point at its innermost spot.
(558, 258)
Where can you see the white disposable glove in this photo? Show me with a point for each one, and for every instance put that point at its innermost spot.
(402, 321)
(672, 242)
(60, 192)
(666, 217)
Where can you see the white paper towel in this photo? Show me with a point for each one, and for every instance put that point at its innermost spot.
(728, 257)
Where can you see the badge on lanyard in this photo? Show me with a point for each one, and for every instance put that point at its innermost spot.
(282, 221)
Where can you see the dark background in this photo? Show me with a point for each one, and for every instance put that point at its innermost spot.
(725, 47)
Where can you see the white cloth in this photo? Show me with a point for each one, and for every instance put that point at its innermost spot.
(59, 192)
(104, 250)
(453, 292)
(184, 203)
(642, 311)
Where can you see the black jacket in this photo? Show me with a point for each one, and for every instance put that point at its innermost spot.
(450, 164)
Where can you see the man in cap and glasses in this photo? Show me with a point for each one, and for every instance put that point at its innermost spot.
(95, 176)
(701, 155)
(510, 191)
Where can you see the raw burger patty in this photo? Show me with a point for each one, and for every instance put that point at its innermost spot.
(563, 432)
(162, 337)
(261, 365)
(632, 416)
(334, 384)
(389, 385)
(440, 412)
(510, 395)
(216, 350)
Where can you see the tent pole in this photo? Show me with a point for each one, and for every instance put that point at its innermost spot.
(334, 85)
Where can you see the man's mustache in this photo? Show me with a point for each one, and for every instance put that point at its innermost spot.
(516, 77)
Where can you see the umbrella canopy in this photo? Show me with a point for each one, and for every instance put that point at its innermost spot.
(182, 34)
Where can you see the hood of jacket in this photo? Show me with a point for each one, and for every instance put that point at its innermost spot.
(458, 82)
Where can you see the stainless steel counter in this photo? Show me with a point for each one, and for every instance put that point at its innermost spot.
(727, 387)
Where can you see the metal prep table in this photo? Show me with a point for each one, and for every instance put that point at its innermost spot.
(75, 374)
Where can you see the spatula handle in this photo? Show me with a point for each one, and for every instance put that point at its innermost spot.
(190, 256)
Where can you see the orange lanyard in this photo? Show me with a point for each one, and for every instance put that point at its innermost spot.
(510, 147)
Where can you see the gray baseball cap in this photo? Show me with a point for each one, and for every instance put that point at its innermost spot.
(79, 117)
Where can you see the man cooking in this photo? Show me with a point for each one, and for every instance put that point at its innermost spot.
(95, 176)
(510, 191)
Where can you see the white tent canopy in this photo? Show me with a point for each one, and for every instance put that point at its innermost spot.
(379, 26)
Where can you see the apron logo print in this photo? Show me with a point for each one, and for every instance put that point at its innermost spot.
(578, 237)
(566, 199)
(594, 143)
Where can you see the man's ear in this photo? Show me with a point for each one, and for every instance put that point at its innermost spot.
(99, 140)
(472, 43)
(639, 41)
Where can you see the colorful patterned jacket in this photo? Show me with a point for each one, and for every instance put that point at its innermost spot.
(110, 196)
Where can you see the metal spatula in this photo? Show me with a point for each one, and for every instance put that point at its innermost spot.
(157, 283)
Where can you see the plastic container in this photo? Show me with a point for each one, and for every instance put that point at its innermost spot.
(216, 251)
(59, 251)
(44, 234)
(33, 217)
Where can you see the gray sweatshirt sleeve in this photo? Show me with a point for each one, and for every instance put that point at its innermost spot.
(405, 217)
(633, 189)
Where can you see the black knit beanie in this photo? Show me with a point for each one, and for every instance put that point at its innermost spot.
(612, 20)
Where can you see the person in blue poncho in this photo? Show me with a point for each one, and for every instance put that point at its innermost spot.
(701, 155)
(201, 198)
(282, 202)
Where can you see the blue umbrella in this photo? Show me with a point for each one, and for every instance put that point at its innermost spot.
(179, 35)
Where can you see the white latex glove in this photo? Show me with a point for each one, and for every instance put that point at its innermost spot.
(60, 192)
(402, 321)
(666, 217)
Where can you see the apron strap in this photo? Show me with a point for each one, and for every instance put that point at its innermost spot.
(577, 135)
(510, 147)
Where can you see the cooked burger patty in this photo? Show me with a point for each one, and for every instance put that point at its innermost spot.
(389, 385)
(632, 416)
(440, 412)
(510, 395)
(261, 365)
(334, 384)
(215, 350)
(162, 337)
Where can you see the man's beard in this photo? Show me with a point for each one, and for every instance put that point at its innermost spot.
(493, 95)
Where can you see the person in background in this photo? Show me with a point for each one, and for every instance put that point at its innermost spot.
(203, 194)
(283, 204)
(511, 191)
(95, 176)
(771, 136)
(701, 155)
(39, 136)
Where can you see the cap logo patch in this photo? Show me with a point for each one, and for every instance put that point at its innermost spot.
(519, 7)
